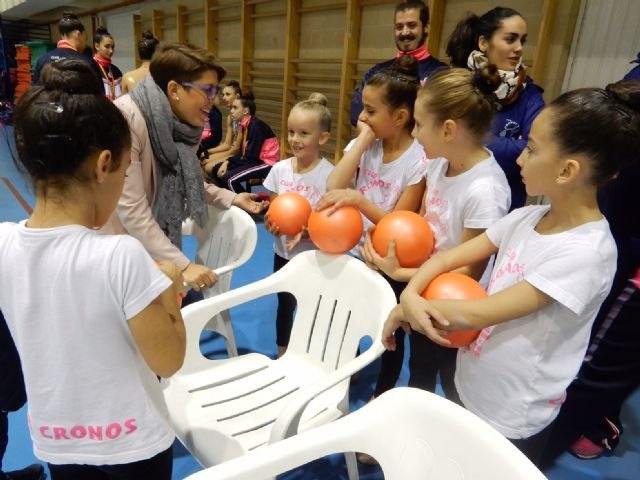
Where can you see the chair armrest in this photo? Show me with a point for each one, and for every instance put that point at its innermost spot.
(287, 423)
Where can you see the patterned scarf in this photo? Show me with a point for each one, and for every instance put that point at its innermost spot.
(181, 191)
(513, 81)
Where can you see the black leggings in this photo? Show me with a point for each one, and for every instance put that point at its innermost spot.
(158, 467)
(426, 360)
(391, 364)
(286, 308)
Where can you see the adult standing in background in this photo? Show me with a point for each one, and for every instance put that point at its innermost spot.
(146, 47)
(73, 40)
(111, 75)
(411, 29)
(498, 37)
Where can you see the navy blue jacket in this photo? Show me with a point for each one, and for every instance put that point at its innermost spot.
(510, 132)
(634, 74)
(60, 53)
(426, 68)
(257, 132)
(12, 392)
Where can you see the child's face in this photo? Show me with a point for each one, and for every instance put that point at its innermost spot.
(427, 131)
(192, 104)
(237, 110)
(376, 113)
(228, 96)
(106, 47)
(504, 48)
(539, 162)
(304, 134)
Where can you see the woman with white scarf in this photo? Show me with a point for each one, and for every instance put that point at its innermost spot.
(166, 112)
(498, 37)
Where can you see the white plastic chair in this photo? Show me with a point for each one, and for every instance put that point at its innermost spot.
(226, 242)
(221, 409)
(412, 433)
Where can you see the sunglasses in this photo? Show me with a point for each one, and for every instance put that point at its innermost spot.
(211, 91)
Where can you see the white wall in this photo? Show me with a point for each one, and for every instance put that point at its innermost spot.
(121, 27)
(607, 38)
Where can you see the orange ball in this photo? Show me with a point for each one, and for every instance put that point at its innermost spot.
(290, 213)
(456, 286)
(413, 236)
(338, 232)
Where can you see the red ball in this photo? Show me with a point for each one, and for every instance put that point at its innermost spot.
(456, 286)
(338, 232)
(289, 212)
(413, 236)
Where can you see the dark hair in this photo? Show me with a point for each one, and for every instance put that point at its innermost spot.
(317, 104)
(602, 124)
(181, 63)
(101, 32)
(69, 23)
(235, 85)
(147, 45)
(63, 120)
(417, 5)
(400, 82)
(247, 100)
(467, 33)
(459, 94)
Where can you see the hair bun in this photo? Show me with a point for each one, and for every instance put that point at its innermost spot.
(71, 76)
(102, 30)
(248, 95)
(406, 65)
(147, 35)
(69, 15)
(319, 98)
(626, 92)
(487, 79)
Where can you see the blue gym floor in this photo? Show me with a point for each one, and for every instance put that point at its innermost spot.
(255, 331)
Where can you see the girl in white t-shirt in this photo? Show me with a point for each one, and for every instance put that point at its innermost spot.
(467, 192)
(93, 317)
(554, 267)
(388, 166)
(306, 173)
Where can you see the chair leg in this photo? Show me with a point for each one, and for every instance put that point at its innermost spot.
(221, 324)
(230, 339)
(352, 465)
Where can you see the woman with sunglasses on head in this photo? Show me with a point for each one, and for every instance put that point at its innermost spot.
(166, 113)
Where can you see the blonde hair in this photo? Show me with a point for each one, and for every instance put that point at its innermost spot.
(317, 104)
(459, 94)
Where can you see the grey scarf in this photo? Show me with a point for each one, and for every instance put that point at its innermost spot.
(181, 187)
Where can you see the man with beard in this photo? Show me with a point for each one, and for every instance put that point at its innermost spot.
(411, 29)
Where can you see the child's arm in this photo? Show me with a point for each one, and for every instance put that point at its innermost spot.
(513, 302)
(476, 269)
(344, 172)
(159, 331)
(228, 138)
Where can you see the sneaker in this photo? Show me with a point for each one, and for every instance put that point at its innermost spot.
(32, 472)
(366, 459)
(585, 449)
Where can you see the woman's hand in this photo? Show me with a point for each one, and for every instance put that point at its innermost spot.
(199, 277)
(249, 202)
(339, 198)
(424, 317)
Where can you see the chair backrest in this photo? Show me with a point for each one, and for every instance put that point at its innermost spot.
(226, 242)
(339, 300)
(412, 433)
